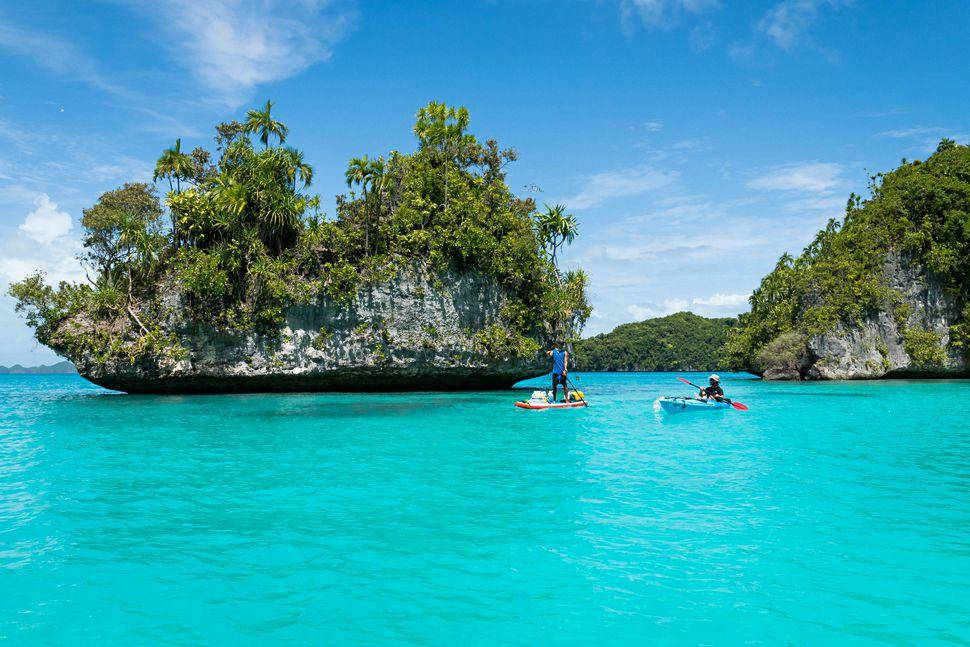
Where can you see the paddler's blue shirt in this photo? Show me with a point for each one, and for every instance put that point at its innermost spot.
(558, 361)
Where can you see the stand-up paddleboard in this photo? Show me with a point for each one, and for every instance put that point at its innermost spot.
(683, 405)
(540, 400)
(551, 405)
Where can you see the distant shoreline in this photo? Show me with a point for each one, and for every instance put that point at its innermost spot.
(60, 368)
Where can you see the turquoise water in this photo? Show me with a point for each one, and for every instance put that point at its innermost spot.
(828, 513)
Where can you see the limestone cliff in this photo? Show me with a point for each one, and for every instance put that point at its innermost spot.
(908, 337)
(414, 332)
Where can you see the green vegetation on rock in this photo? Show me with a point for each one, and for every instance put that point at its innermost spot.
(246, 241)
(924, 347)
(921, 211)
(677, 342)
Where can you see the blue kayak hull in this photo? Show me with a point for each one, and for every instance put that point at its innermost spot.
(685, 405)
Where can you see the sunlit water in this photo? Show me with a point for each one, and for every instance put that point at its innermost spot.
(828, 513)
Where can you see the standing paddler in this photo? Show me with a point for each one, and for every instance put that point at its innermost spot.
(560, 369)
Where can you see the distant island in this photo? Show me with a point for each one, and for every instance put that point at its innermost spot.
(679, 342)
(60, 368)
(431, 275)
(882, 292)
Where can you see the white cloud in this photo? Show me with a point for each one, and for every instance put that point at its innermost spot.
(828, 202)
(929, 135)
(691, 144)
(785, 22)
(128, 169)
(719, 300)
(661, 13)
(907, 133)
(651, 310)
(925, 138)
(877, 114)
(813, 177)
(675, 305)
(702, 37)
(20, 347)
(640, 313)
(654, 125)
(601, 187)
(741, 53)
(19, 256)
(234, 45)
(665, 254)
(46, 223)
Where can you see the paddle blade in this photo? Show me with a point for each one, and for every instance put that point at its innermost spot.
(684, 380)
(737, 405)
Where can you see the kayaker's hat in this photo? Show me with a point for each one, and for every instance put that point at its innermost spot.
(715, 378)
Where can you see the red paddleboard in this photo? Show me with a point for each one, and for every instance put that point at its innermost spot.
(555, 405)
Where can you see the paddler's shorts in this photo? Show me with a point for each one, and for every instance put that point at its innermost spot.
(558, 379)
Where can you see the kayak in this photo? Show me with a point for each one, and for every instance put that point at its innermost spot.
(551, 405)
(682, 405)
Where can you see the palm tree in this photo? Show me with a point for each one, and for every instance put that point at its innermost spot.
(262, 122)
(175, 165)
(379, 181)
(556, 228)
(360, 171)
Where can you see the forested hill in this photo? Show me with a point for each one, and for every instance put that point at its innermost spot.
(677, 342)
(60, 368)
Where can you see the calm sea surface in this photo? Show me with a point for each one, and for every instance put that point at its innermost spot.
(827, 514)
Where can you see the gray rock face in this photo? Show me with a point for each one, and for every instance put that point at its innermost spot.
(411, 333)
(877, 348)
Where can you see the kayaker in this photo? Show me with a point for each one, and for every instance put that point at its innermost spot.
(560, 369)
(713, 391)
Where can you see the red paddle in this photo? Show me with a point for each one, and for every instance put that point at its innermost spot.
(733, 403)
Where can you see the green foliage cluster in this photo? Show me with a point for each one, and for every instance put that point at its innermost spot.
(246, 240)
(924, 346)
(498, 342)
(681, 341)
(921, 210)
(786, 353)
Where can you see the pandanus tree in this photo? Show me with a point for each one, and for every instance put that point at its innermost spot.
(297, 168)
(262, 122)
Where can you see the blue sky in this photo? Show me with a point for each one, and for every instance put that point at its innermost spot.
(695, 140)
